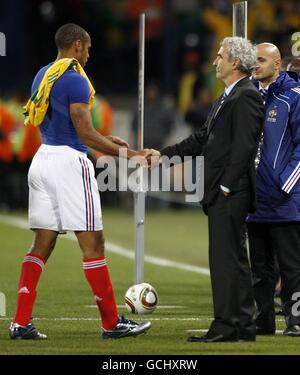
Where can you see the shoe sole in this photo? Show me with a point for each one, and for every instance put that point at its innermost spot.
(291, 334)
(134, 334)
(29, 337)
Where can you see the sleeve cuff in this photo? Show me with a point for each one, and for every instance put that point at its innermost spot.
(223, 188)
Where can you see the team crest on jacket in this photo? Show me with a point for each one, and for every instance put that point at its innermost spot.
(272, 115)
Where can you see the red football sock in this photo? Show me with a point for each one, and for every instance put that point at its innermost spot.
(96, 272)
(32, 268)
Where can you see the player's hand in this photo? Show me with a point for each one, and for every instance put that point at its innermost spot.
(118, 141)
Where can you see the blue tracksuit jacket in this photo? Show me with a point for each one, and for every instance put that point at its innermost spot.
(278, 173)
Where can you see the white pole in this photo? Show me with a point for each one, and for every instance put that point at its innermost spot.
(239, 19)
(141, 81)
(140, 195)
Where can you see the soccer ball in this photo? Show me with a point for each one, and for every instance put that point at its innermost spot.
(141, 299)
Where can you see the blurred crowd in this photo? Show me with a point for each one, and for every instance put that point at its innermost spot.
(19, 143)
(182, 38)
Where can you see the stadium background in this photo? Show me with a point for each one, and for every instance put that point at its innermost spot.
(182, 38)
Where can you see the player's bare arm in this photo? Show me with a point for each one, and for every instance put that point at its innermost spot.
(82, 121)
(117, 140)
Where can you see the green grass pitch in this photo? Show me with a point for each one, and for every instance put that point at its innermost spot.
(63, 307)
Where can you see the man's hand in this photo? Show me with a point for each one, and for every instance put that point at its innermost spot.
(117, 140)
(225, 190)
(154, 159)
(142, 156)
(146, 153)
(149, 158)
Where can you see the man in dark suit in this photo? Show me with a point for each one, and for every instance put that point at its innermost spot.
(228, 141)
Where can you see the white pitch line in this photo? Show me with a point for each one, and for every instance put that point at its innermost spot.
(145, 317)
(136, 317)
(116, 249)
(124, 307)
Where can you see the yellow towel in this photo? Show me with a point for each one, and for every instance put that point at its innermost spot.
(36, 107)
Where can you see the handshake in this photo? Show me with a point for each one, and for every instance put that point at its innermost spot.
(148, 157)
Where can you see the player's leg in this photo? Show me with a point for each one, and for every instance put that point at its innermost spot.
(82, 213)
(32, 267)
(91, 243)
(43, 243)
(45, 221)
(97, 274)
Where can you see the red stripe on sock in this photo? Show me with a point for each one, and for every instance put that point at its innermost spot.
(36, 256)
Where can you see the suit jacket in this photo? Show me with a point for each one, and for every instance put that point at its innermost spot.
(228, 141)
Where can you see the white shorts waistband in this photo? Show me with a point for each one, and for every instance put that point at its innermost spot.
(61, 149)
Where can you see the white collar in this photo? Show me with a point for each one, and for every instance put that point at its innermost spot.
(229, 88)
(267, 87)
(263, 88)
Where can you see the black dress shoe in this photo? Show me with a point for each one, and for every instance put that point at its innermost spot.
(247, 332)
(197, 338)
(293, 331)
(209, 337)
(247, 337)
(264, 331)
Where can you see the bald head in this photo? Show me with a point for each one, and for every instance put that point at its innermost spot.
(270, 49)
(268, 63)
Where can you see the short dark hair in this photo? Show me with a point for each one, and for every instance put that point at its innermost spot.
(69, 33)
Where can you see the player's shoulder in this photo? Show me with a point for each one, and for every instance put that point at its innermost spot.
(74, 85)
(71, 75)
(290, 88)
(294, 93)
(72, 82)
(291, 97)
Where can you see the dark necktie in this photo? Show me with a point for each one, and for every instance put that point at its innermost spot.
(263, 93)
(214, 114)
(224, 96)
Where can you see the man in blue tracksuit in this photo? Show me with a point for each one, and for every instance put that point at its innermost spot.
(275, 226)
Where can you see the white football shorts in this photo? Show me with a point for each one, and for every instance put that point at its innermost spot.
(63, 191)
